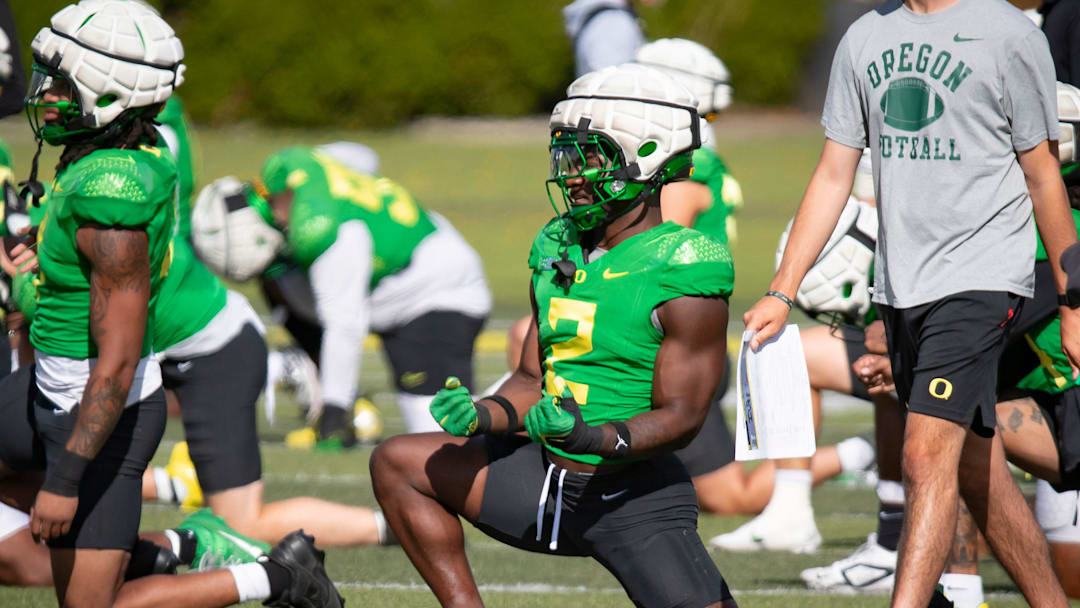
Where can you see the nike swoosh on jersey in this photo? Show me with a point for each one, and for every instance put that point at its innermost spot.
(614, 275)
(958, 38)
(243, 544)
(606, 497)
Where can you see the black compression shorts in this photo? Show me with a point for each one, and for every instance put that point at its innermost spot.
(110, 493)
(639, 522)
(217, 395)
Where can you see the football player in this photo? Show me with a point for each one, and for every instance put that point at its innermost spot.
(375, 259)
(98, 410)
(618, 368)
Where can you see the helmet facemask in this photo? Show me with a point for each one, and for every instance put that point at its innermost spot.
(598, 168)
(595, 166)
(42, 81)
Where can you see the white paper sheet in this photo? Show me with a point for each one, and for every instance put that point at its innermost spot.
(774, 417)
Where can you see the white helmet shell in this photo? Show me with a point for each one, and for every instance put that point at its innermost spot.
(839, 281)
(5, 57)
(229, 235)
(693, 65)
(118, 55)
(1068, 101)
(632, 105)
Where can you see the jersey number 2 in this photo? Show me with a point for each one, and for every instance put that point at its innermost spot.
(566, 310)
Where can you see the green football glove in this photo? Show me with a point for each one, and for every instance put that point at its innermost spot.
(557, 422)
(454, 410)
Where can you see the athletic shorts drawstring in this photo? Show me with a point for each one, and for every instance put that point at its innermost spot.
(554, 544)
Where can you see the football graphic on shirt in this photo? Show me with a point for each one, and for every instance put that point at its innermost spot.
(910, 104)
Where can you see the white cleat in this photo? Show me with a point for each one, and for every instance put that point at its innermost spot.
(771, 532)
(870, 569)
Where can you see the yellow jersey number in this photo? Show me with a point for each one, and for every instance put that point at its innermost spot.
(566, 310)
(371, 193)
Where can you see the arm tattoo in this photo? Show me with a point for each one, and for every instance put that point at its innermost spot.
(101, 408)
(1016, 418)
(119, 295)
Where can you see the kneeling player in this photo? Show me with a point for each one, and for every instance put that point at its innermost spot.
(630, 319)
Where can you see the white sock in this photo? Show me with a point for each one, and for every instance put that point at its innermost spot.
(855, 453)
(791, 491)
(414, 409)
(174, 541)
(382, 527)
(164, 485)
(890, 492)
(965, 590)
(252, 583)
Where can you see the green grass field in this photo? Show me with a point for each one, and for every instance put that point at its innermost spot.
(487, 178)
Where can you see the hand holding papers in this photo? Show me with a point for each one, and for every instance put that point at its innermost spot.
(774, 416)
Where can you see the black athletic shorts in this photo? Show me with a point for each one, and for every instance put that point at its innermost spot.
(639, 522)
(714, 445)
(1062, 412)
(110, 493)
(20, 447)
(855, 345)
(217, 395)
(426, 350)
(945, 355)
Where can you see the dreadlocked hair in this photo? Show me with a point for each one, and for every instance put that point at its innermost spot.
(128, 132)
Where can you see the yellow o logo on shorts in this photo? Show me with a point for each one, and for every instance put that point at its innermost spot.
(940, 388)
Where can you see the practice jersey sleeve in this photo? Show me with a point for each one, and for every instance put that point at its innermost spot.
(699, 266)
(115, 190)
(843, 118)
(1030, 93)
(339, 280)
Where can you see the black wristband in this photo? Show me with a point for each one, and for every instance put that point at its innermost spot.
(1070, 264)
(781, 297)
(511, 413)
(622, 440)
(63, 477)
(483, 419)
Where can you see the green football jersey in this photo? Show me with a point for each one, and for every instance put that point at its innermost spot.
(174, 117)
(597, 336)
(1040, 250)
(326, 194)
(111, 187)
(717, 221)
(190, 295)
(1054, 374)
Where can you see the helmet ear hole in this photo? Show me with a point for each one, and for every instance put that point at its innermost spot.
(107, 99)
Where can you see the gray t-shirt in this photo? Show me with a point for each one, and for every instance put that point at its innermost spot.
(603, 33)
(945, 100)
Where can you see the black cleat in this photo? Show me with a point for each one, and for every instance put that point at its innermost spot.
(938, 599)
(310, 586)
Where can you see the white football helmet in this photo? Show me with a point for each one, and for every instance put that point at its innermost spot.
(5, 57)
(839, 281)
(1068, 101)
(695, 67)
(116, 54)
(641, 123)
(357, 157)
(230, 235)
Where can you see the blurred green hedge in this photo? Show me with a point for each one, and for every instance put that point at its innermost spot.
(381, 62)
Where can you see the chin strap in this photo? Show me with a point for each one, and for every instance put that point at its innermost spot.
(32, 187)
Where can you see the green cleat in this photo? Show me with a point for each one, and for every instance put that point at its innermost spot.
(218, 545)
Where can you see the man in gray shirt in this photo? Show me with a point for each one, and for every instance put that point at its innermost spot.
(602, 32)
(956, 99)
